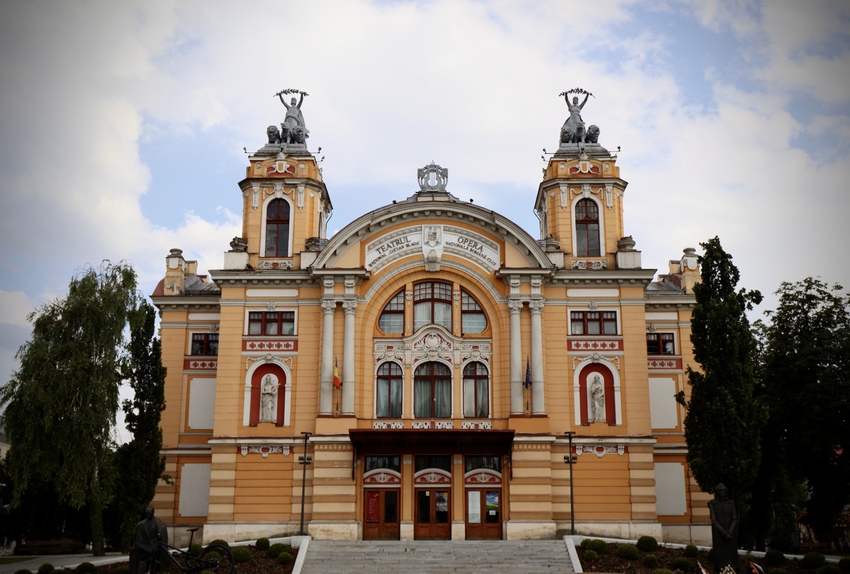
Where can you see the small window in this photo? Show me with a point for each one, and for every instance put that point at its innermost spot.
(660, 344)
(432, 391)
(271, 323)
(205, 344)
(432, 305)
(476, 391)
(277, 228)
(473, 320)
(441, 461)
(392, 317)
(489, 462)
(593, 322)
(389, 385)
(587, 228)
(388, 462)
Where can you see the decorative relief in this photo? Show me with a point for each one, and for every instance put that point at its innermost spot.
(275, 264)
(475, 352)
(515, 306)
(200, 365)
(590, 264)
(420, 425)
(432, 346)
(382, 478)
(387, 425)
(265, 345)
(597, 358)
(385, 351)
(664, 364)
(269, 358)
(601, 449)
(482, 476)
(594, 345)
(432, 476)
(476, 425)
(264, 450)
(444, 424)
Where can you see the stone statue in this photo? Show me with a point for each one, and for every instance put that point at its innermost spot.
(274, 134)
(597, 400)
(573, 130)
(268, 392)
(724, 529)
(293, 130)
(592, 135)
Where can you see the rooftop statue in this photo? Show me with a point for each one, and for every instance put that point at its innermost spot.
(292, 130)
(574, 130)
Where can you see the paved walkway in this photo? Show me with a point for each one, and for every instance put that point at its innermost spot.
(433, 556)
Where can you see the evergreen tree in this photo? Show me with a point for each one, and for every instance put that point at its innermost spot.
(723, 421)
(62, 401)
(806, 383)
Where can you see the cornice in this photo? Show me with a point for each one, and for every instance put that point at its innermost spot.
(584, 277)
(224, 277)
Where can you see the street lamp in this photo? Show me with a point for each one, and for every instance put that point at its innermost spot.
(571, 459)
(304, 460)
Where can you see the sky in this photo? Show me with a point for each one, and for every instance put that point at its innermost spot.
(123, 124)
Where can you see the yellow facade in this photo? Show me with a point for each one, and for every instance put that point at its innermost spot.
(464, 350)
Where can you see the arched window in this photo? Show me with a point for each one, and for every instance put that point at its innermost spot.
(432, 391)
(277, 228)
(391, 320)
(476, 391)
(268, 384)
(432, 304)
(388, 391)
(587, 228)
(473, 320)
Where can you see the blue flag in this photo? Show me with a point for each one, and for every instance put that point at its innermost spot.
(527, 373)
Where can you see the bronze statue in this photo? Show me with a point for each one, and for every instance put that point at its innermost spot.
(293, 130)
(724, 529)
(573, 130)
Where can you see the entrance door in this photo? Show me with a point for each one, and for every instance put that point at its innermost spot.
(381, 514)
(483, 514)
(433, 514)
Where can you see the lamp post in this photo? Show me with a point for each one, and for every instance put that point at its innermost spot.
(304, 460)
(570, 459)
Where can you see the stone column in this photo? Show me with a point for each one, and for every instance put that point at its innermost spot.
(515, 308)
(349, 307)
(326, 387)
(537, 405)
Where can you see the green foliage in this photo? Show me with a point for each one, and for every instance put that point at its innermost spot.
(683, 564)
(691, 551)
(46, 568)
(86, 568)
(242, 554)
(723, 421)
(219, 542)
(590, 555)
(61, 402)
(195, 549)
(597, 545)
(123, 569)
(647, 543)
(650, 560)
(23, 571)
(263, 544)
(829, 569)
(628, 551)
(813, 560)
(662, 571)
(844, 564)
(285, 558)
(774, 558)
(277, 548)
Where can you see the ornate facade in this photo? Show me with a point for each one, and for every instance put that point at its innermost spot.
(431, 358)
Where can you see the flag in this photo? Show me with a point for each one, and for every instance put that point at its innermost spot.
(337, 382)
(527, 373)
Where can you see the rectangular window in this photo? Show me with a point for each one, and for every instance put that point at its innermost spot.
(388, 462)
(593, 322)
(660, 344)
(205, 344)
(271, 323)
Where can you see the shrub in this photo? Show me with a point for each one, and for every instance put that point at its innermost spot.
(46, 568)
(650, 560)
(590, 555)
(813, 561)
(829, 569)
(275, 549)
(242, 554)
(219, 542)
(86, 568)
(773, 558)
(683, 564)
(628, 551)
(691, 551)
(23, 571)
(844, 564)
(263, 544)
(662, 571)
(598, 546)
(196, 549)
(585, 543)
(647, 544)
(285, 558)
(123, 569)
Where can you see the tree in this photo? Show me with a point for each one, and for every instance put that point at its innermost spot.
(723, 421)
(140, 464)
(806, 383)
(62, 401)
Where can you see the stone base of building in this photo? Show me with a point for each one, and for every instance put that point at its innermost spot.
(335, 530)
(621, 530)
(237, 531)
(530, 530)
(699, 534)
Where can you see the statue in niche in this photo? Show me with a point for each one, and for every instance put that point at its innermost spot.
(573, 130)
(597, 400)
(293, 130)
(724, 529)
(267, 399)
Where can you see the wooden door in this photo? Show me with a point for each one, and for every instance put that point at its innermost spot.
(381, 514)
(483, 514)
(433, 519)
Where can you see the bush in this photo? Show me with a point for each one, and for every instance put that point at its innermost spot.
(275, 549)
(123, 569)
(650, 560)
(196, 549)
(844, 564)
(23, 571)
(590, 555)
(263, 544)
(219, 542)
(86, 568)
(628, 551)
(647, 544)
(46, 568)
(773, 558)
(242, 554)
(662, 571)
(284, 558)
(691, 551)
(597, 545)
(813, 561)
(683, 564)
(829, 569)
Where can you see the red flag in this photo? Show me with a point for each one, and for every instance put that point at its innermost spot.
(337, 382)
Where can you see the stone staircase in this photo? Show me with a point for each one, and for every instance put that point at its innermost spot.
(433, 556)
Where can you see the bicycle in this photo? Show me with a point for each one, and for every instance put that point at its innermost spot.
(214, 558)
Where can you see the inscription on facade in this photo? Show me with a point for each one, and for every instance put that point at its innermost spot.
(422, 240)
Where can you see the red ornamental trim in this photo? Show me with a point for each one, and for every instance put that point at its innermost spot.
(266, 345)
(476, 477)
(382, 478)
(428, 477)
(674, 364)
(595, 345)
(200, 364)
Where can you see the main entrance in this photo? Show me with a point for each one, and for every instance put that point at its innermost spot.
(433, 514)
(381, 520)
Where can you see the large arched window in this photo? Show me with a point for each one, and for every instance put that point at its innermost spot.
(432, 391)
(587, 228)
(277, 228)
(391, 320)
(473, 320)
(432, 305)
(388, 391)
(476, 390)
